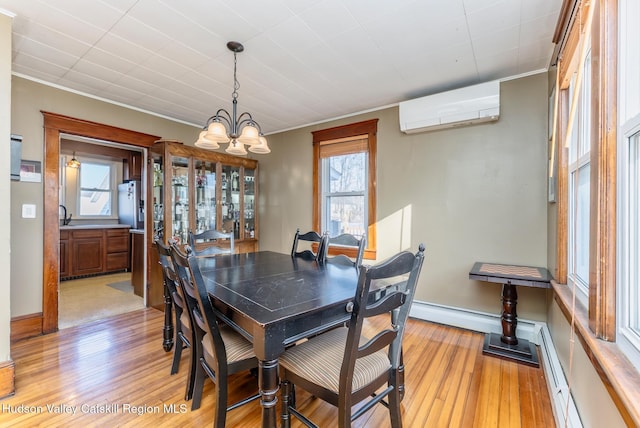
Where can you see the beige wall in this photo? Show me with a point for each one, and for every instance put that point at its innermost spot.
(476, 193)
(27, 101)
(5, 188)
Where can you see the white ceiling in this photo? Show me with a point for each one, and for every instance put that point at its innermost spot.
(305, 61)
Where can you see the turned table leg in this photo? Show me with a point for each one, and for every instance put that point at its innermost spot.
(167, 330)
(509, 315)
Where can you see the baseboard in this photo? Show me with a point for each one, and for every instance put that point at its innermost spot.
(533, 331)
(26, 326)
(7, 378)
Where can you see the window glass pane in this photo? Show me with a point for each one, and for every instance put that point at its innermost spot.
(634, 233)
(345, 214)
(94, 203)
(95, 176)
(347, 173)
(582, 227)
(95, 189)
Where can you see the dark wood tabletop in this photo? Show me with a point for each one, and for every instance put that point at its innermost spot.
(530, 276)
(275, 300)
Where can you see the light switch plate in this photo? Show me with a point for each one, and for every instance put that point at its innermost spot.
(28, 211)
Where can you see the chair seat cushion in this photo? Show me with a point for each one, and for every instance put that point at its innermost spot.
(238, 348)
(319, 360)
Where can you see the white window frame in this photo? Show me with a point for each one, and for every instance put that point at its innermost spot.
(325, 185)
(579, 159)
(113, 189)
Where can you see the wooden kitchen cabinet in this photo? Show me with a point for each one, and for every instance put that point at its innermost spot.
(93, 251)
(117, 249)
(132, 167)
(87, 249)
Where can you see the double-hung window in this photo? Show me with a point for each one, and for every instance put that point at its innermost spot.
(344, 173)
(579, 184)
(96, 189)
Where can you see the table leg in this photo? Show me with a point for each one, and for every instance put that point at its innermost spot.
(268, 381)
(509, 315)
(167, 331)
(508, 345)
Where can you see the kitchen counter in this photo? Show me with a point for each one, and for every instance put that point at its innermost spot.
(95, 226)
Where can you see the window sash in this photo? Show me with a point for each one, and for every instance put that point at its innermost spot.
(328, 217)
(89, 194)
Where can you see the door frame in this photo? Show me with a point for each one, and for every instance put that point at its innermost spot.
(54, 125)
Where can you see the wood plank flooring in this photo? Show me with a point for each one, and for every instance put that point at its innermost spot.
(114, 372)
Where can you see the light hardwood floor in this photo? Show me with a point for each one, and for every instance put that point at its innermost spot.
(114, 372)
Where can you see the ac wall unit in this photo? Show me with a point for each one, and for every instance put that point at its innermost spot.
(459, 107)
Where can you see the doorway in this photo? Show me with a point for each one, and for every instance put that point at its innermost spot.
(54, 126)
(91, 174)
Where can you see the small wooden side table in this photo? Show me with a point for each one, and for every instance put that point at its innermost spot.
(508, 345)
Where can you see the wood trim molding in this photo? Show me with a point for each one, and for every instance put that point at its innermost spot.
(54, 125)
(7, 378)
(602, 248)
(26, 326)
(562, 203)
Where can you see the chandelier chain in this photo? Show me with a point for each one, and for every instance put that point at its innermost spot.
(236, 84)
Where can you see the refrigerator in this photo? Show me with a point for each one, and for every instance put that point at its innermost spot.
(130, 204)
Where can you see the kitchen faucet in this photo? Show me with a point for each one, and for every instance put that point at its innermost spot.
(66, 220)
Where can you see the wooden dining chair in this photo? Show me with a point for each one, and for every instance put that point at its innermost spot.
(344, 368)
(344, 242)
(311, 238)
(221, 350)
(183, 331)
(211, 242)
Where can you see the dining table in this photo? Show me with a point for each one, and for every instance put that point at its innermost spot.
(275, 300)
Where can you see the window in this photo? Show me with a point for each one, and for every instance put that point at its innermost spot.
(344, 170)
(629, 300)
(95, 189)
(344, 191)
(579, 184)
(628, 233)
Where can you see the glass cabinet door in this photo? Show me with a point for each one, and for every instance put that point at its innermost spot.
(205, 183)
(180, 198)
(249, 203)
(231, 200)
(158, 196)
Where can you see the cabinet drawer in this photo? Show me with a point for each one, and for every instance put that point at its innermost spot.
(117, 232)
(87, 233)
(117, 244)
(64, 234)
(117, 261)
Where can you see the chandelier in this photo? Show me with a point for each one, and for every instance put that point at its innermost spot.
(238, 131)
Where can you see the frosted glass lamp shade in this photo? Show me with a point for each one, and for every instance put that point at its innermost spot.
(216, 132)
(236, 148)
(249, 135)
(261, 148)
(204, 143)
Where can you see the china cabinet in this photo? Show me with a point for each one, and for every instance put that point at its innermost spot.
(196, 190)
(193, 189)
